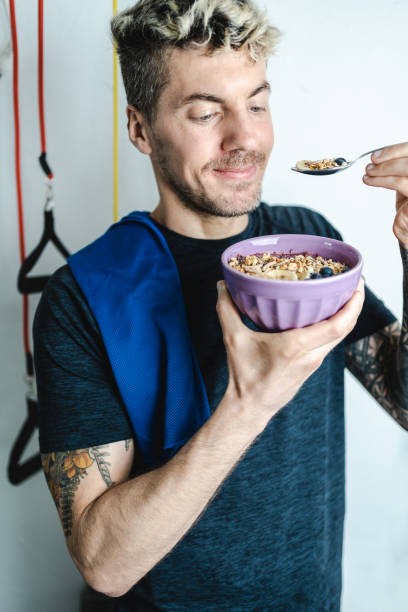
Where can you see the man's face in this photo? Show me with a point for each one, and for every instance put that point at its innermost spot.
(213, 133)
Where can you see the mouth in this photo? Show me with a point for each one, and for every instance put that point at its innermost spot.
(237, 173)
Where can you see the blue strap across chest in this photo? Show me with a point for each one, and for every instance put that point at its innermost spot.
(131, 282)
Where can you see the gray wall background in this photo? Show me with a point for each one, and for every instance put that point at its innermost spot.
(339, 87)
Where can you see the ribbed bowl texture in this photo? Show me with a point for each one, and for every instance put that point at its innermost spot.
(277, 305)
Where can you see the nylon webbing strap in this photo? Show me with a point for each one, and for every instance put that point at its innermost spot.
(43, 157)
(35, 284)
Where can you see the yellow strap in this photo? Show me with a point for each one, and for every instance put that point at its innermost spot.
(115, 129)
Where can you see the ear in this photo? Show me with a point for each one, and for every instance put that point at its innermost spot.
(138, 134)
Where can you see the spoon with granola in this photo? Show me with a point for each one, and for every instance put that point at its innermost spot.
(327, 166)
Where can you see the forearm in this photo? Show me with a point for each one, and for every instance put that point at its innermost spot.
(380, 361)
(399, 372)
(131, 527)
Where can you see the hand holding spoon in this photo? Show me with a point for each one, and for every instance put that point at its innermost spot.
(341, 164)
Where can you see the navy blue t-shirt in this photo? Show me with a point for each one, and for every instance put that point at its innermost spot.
(271, 539)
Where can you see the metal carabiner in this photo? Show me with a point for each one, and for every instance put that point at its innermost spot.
(31, 392)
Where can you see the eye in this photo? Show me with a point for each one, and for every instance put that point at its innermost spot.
(257, 109)
(206, 117)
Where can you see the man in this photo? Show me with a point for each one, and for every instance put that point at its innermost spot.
(248, 513)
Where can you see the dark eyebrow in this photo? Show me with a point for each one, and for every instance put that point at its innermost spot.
(265, 85)
(211, 98)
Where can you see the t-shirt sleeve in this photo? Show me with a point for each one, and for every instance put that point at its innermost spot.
(373, 317)
(79, 404)
(374, 314)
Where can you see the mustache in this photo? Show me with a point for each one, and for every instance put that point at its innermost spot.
(237, 160)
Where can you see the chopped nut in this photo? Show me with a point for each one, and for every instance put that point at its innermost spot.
(251, 260)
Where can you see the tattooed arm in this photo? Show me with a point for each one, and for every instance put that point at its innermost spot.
(117, 528)
(65, 471)
(380, 361)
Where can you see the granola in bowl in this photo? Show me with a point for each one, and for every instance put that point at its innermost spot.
(281, 266)
(273, 304)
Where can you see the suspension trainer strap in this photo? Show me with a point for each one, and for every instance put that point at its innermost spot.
(36, 284)
(17, 471)
(43, 157)
(20, 209)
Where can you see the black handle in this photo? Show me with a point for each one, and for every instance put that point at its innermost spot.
(17, 472)
(35, 284)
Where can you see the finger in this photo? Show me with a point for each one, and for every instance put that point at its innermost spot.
(359, 294)
(325, 349)
(227, 311)
(393, 167)
(400, 226)
(361, 285)
(335, 328)
(397, 150)
(396, 183)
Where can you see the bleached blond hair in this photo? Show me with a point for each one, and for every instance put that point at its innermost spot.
(145, 33)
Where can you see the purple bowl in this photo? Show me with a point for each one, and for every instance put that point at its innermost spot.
(276, 305)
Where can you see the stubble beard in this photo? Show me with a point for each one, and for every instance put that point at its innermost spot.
(221, 206)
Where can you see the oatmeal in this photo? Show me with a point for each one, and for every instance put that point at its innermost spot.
(302, 266)
(321, 164)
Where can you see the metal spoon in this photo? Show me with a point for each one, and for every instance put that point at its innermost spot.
(333, 170)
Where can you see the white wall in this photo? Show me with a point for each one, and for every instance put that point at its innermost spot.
(339, 88)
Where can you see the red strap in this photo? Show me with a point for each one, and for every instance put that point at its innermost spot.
(41, 75)
(42, 158)
(18, 168)
(43, 161)
(17, 130)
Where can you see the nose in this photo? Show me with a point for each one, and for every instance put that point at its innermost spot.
(239, 132)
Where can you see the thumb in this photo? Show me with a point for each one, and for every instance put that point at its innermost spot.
(227, 312)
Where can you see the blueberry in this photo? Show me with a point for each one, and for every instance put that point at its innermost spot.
(339, 161)
(345, 270)
(326, 271)
(315, 275)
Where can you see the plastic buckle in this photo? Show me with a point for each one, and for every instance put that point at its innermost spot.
(49, 195)
(31, 383)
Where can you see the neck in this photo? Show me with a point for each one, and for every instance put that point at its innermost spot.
(194, 225)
